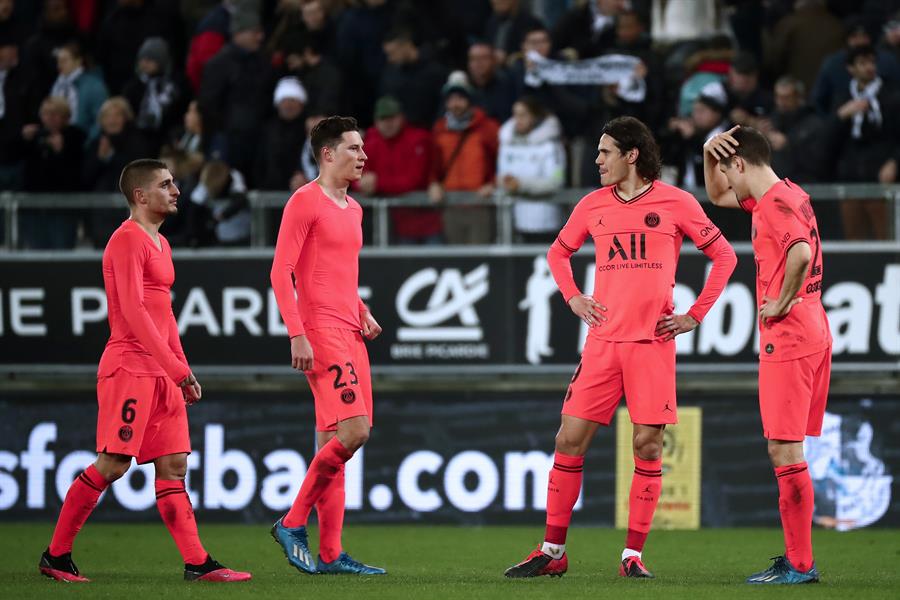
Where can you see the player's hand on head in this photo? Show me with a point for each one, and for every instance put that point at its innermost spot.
(669, 326)
(722, 145)
(370, 327)
(301, 353)
(588, 310)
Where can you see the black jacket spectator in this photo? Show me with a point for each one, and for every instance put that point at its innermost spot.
(121, 35)
(235, 94)
(411, 74)
(39, 54)
(156, 94)
(589, 29)
(283, 137)
(506, 28)
(493, 88)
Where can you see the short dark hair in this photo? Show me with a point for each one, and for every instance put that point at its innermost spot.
(137, 174)
(859, 52)
(534, 106)
(628, 133)
(329, 132)
(752, 146)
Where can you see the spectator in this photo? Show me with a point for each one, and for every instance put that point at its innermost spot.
(118, 143)
(682, 141)
(507, 26)
(707, 65)
(400, 162)
(571, 103)
(747, 101)
(13, 110)
(189, 138)
(679, 21)
(531, 167)
(39, 58)
(866, 132)
(465, 160)
(12, 26)
(121, 35)
(82, 89)
(156, 93)
(320, 76)
(412, 74)
(235, 94)
(632, 39)
(834, 79)
(493, 89)
(298, 22)
(796, 133)
(307, 169)
(360, 32)
(52, 153)
(802, 40)
(211, 36)
(283, 137)
(588, 30)
(224, 213)
(890, 43)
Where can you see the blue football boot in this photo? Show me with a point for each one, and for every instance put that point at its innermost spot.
(783, 572)
(295, 544)
(346, 565)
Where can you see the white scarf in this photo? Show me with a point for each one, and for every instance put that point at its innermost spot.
(870, 93)
(64, 86)
(159, 94)
(603, 70)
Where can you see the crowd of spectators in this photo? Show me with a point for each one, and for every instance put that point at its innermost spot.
(478, 96)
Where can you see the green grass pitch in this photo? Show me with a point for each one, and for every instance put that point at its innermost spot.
(140, 561)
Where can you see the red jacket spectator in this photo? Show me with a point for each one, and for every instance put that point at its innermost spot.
(400, 157)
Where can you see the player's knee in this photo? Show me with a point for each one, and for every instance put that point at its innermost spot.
(569, 444)
(355, 438)
(112, 466)
(171, 467)
(647, 447)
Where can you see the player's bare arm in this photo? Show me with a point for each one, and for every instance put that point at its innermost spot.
(795, 269)
(301, 353)
(588, 310)
(718, 148)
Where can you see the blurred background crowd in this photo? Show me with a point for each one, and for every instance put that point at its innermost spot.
(479, 96)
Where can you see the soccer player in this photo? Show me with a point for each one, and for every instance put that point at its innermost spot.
(795, 362)
(143, 383)
(637, 224)
(315, 277)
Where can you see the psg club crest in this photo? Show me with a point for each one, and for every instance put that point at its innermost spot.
(651, 220)
(852, 485)
(125, 433)
(348, 396)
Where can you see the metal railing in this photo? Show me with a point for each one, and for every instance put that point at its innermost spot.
(264, 203)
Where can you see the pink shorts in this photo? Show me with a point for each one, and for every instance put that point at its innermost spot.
(643, 371)
(793, 395)
(341, 380)
(141, 416)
